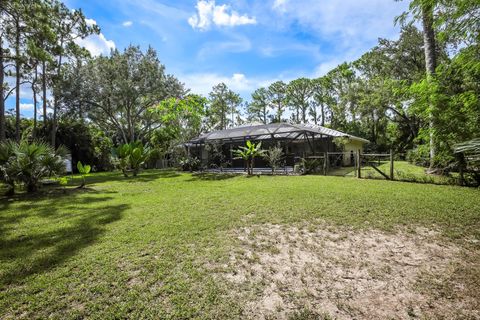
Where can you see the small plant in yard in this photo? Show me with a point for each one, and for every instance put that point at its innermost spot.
(273, 156)
(131, 156)
(189, 163)
(310, 165)
(84, 170)
(249, 153)
(28, 163)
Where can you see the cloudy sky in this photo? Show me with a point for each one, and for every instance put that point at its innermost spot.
(244, 43)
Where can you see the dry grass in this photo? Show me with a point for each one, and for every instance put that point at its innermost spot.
(321, 271)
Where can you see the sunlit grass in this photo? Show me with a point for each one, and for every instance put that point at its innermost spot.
(139, 247)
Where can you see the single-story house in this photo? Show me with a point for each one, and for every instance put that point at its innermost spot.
(297, 140)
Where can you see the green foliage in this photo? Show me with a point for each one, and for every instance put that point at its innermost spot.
(181, 119)
(84, 170)
(87, 143)
(308, 166)
(143, 83)
(223, 108)
(29, 162)
(299, 94)
(7, 174)
(277, 95)
(258, 109)
(189, 164)
(341, 141)
(216, 156)
(248, 153)
(131, 156)
(274, 157)
(419, 156)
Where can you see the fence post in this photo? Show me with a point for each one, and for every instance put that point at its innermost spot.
(325, 163)
(391, 164)
(359, 165)
(355, 164)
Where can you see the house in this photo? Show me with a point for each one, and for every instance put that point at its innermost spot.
(297, 140)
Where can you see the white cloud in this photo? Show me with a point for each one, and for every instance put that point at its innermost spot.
(96, 44)
(347, 18)
(90, 22)
(202, 83)
(26, 106)
(280, 5)
(220, 15)
(127, 23)
(237, 43)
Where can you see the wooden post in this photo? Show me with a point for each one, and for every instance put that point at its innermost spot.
(359, 164)
(391, 164)
(355, 164)
(325, 159)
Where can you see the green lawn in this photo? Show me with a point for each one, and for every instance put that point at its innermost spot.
(403, 171)
(146, 247)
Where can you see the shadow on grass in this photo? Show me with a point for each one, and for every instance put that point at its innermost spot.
(210, 176)
(43, 246)
(143, 176)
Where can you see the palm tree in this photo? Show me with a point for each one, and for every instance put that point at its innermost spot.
(248, 153)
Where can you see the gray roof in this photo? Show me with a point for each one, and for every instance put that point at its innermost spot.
(259, 131)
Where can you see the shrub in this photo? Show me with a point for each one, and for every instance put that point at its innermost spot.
(419, 156)
(189, 164)
(6, 173)
(310, 165)
(84, 170)
(131, 156)
(28, 163)
(273, 156)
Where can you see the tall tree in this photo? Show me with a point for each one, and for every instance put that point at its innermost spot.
(68, 25)
(322, 88)
(2, 71)
(431, 64)
(277, 95)
(15, 18)
(299, 95)
(118, 92)
(258, 108)
(223, 107)
(234, 101)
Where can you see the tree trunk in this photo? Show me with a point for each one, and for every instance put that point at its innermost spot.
(44, 93)
(55, 100)
(54, 124)
(2, 95)
(322, 108)
(431, 64)
(34, 91)
(17, 81)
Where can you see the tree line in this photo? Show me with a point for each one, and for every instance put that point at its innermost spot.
(417, 94)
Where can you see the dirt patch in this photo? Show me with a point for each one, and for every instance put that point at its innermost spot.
(281, 271)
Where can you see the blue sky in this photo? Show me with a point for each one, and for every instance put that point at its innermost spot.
(244, 43)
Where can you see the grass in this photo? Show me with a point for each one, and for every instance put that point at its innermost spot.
(141, 247)
(403, 171)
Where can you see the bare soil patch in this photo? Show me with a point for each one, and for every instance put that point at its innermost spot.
(323, 272)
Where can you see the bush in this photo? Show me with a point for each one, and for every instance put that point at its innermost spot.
(310, 165)
(131, 156)
(419, 156)
(273, 156)
(190, 164)
(28, 163)
(84, 170)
